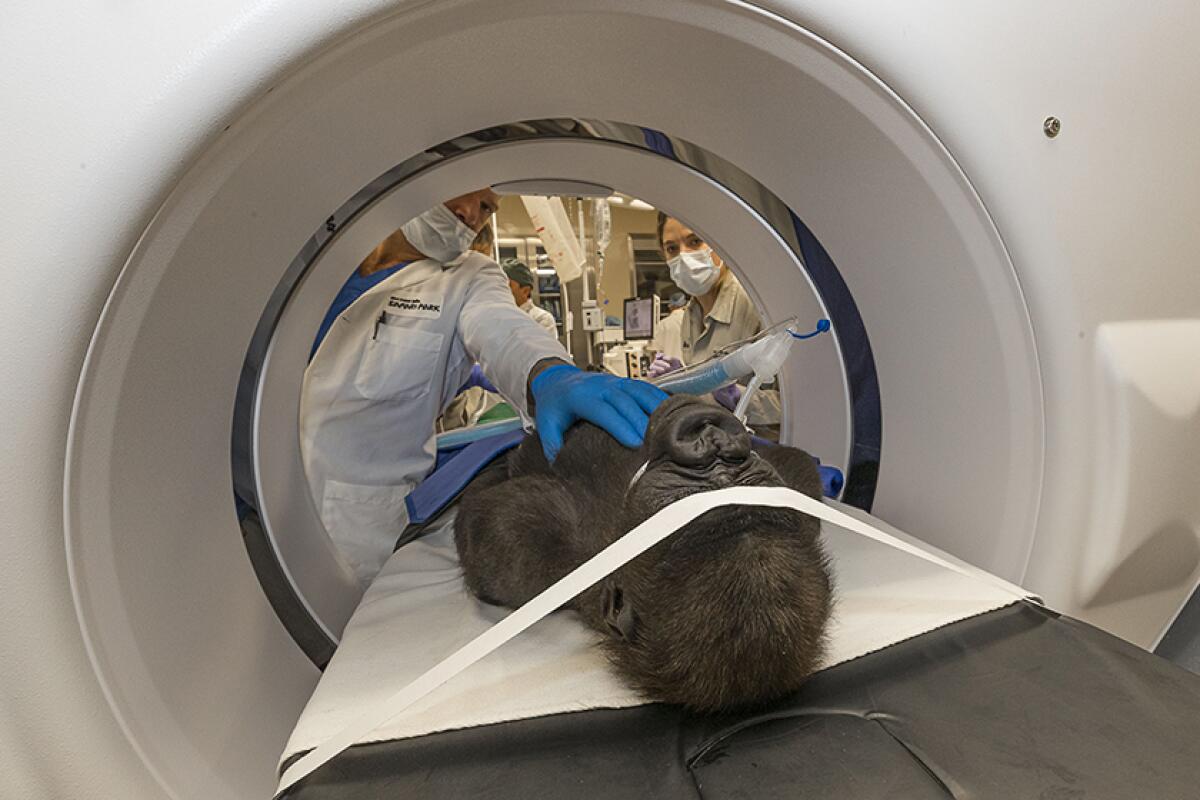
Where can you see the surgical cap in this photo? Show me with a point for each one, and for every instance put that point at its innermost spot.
(517, 271)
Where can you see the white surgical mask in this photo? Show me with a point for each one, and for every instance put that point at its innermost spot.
(694, 271)
(439, 234)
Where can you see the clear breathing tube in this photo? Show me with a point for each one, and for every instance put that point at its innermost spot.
(758, 359)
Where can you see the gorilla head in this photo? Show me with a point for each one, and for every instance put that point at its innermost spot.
(729, 611)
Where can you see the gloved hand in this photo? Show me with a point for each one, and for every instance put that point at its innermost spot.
(728, 396)
(662, 364)
(563, 394)
(477, 378)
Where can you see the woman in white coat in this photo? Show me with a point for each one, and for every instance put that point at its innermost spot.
(398, 342)
(718, 313)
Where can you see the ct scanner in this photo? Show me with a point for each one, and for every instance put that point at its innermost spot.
(182, 183)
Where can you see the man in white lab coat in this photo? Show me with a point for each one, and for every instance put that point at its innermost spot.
(398, 342)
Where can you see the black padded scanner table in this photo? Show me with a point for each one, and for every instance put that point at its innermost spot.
(1015, 703)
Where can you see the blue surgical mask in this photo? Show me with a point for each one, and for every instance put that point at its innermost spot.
(438, 234)
(694, 271)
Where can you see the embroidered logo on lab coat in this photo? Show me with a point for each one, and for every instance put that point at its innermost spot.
(412, 305)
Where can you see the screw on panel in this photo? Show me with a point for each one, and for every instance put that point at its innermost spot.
(1051, 127)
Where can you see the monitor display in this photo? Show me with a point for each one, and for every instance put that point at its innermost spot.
(639, 318)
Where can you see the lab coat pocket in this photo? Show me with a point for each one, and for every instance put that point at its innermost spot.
(399, 361)
(364, 522)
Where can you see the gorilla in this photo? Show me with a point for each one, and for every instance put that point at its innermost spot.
(728, 612)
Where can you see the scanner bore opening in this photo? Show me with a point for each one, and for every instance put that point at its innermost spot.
(315, 637)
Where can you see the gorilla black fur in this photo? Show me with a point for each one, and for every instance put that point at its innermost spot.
(728, 612)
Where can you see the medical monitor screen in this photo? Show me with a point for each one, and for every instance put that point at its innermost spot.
(639, 318)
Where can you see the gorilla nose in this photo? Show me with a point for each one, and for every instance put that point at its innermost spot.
(697, 435)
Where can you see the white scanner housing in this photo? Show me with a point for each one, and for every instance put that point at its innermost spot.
(1032, 303)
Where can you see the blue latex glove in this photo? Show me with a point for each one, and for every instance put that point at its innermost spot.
(563, 394)
(728, 396)
(477, 378)
(662, 364)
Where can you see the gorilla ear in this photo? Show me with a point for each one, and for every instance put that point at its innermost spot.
(618, 614)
